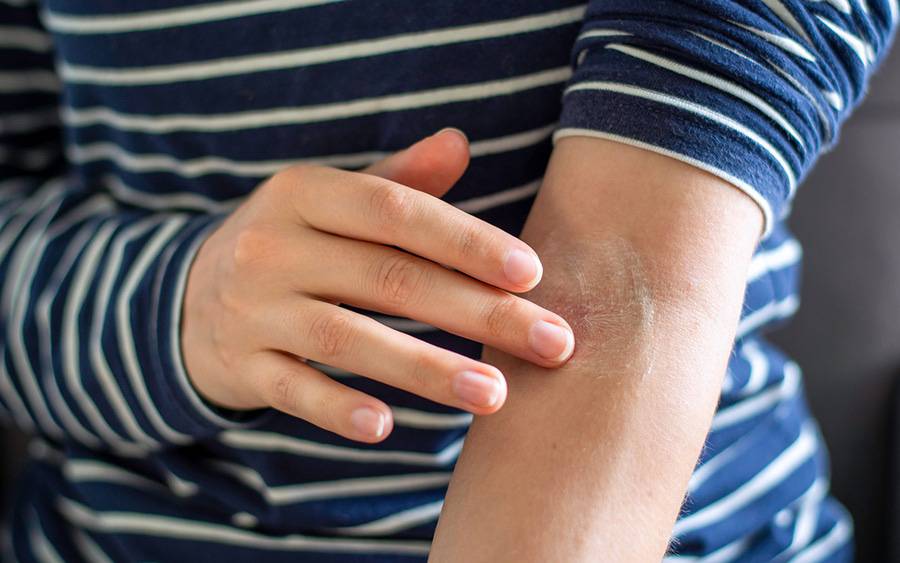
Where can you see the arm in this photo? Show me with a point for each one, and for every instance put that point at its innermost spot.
(647, 257)
(89, 284)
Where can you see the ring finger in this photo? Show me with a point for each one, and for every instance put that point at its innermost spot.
(347, 340)
(293, 387)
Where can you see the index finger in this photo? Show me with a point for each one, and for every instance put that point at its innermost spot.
(366, 207)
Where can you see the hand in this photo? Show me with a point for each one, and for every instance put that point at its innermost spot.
(263, 292)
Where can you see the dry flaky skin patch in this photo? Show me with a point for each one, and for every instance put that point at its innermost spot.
(601, 288)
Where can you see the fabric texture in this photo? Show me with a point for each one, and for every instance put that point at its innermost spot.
(129, 130)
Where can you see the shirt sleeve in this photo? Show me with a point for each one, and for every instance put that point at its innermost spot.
(90, 288)
(751, 91)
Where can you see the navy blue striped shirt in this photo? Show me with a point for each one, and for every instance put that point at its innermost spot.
(129, 130)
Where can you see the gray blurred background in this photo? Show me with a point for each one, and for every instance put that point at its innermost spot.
(846, 336)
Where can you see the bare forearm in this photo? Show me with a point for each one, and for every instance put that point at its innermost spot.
(646, 258)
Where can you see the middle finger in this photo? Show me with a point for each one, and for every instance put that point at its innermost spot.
(394, 282)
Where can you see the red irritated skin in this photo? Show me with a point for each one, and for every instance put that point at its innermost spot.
(647, 258)
(263, 292)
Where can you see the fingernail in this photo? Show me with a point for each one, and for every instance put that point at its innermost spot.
(551, 342)
(368, 421)
(477, 389)
(458, 132)
(522, 268)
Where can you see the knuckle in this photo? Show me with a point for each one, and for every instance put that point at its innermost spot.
(253, 245)
(288, 187)
(278, 185)
(391, 204)
(425, 366)
(499, 313)
(470, 243)
(331, 334)
(295, 172)
(292, 176)
(399, 279)
(283, 391)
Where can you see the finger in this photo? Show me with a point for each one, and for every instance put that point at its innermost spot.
(291, 386)
(363, 207)
(431, 165)
(391, 281)
(347, 340)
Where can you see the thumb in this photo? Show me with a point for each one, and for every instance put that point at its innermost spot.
(431, 165)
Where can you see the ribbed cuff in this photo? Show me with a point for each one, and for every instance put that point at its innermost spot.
(614, 96)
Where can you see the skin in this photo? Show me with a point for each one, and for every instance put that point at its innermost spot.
(623, 314)
(263, 292)
(647, 257)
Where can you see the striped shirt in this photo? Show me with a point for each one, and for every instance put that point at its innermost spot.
(128, 130)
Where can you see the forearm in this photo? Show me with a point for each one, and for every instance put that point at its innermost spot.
(646, 257)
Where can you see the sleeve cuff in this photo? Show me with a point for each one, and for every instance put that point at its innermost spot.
(615, 96)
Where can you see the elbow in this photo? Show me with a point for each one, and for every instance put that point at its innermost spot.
(623, 302)
(604, 290)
